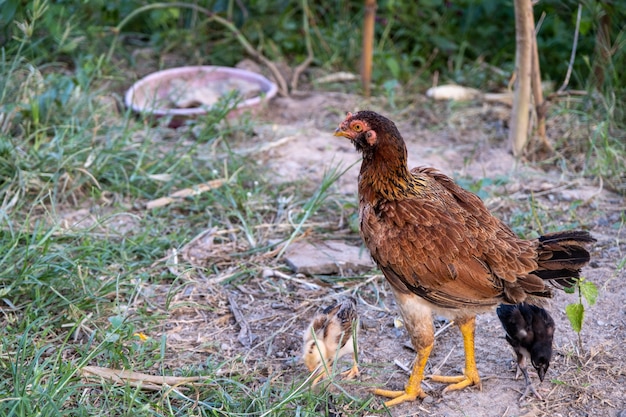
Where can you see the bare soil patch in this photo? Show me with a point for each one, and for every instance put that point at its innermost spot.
(277, 307)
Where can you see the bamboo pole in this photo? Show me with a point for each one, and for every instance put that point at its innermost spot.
(368, 45)
(518, 133)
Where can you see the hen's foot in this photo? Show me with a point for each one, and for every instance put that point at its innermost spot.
(398, 397)
(458, 382)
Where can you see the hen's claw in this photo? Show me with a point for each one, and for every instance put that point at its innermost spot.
(470, 374)
(457, 382)
(398, 397)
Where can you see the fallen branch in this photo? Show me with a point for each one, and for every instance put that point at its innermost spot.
(136, 379)
(186, 192)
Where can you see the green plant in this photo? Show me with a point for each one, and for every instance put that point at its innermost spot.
(575, 312)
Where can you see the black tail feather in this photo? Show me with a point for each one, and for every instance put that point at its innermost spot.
(561, 255)
(576, 236)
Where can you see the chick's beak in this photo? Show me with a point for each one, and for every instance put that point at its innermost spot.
(541, 372)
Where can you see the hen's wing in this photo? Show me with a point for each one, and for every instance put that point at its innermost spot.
(443, 245)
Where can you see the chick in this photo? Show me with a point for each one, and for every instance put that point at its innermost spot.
(530, 330)
(329, 337)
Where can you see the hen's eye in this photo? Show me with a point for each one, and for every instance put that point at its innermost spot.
(357, 127)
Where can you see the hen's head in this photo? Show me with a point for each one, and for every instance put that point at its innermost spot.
(367, 130)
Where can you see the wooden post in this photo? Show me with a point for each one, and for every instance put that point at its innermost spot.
(368, 45)
(518, 133)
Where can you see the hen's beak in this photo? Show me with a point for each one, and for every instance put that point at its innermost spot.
(341, 132)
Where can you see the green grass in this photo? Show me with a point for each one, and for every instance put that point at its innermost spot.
(67, 292)
(69, 150)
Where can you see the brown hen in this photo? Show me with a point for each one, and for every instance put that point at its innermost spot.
(441, 249)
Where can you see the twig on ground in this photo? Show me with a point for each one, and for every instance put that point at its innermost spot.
(268, 273)
(267, 146)
(437, 368)
(337, 77)
(444, 328)
(406, 369)
(402, 366)
(186, 192)
(245, 337)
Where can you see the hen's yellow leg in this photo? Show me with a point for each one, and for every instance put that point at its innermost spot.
(470, 375)
(413, 388)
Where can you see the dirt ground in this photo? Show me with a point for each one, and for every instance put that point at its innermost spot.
(296, 139)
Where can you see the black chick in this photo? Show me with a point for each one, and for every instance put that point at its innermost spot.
(530, 330)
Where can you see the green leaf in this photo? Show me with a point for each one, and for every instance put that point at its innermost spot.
(393, 66)
(112, 337)
(116, 321)
(589, 291)
(575, 314)
(569, 290)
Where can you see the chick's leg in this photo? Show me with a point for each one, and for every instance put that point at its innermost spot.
(413, 388)
(354, 371)
(529, 385)
(319, 378)
(470, 375)
(322, 372)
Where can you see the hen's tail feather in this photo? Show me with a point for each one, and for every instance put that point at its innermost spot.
(575, 236)
(561, 255)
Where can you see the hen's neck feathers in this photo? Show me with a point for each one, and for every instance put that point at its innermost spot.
(384, 172)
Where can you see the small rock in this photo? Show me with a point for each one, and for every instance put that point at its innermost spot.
(603, 222)
(584, 194)
(428, 400)
(367, 323)
(327, 258)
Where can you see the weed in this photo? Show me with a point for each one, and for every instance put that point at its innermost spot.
(576, 311)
